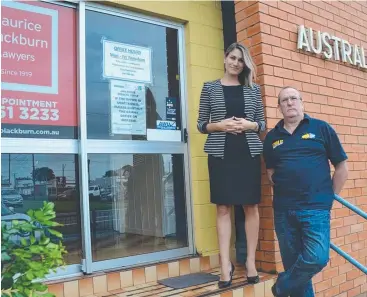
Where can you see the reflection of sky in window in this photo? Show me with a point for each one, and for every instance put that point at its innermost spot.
(127, 31)
(21, 165)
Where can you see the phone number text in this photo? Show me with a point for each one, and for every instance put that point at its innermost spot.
(29, 113)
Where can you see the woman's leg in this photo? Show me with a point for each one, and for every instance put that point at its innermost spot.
(224, 237)
(252, 222)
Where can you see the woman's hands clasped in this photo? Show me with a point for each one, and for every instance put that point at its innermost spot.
(236, 125)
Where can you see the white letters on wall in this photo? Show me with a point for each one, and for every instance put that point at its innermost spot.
(331, 47)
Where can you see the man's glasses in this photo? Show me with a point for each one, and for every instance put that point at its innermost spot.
(292, 99)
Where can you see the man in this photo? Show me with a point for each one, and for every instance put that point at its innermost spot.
(297, 153)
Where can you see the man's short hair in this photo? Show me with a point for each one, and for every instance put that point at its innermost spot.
(288, 87)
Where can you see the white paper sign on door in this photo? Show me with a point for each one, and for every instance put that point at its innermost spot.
(127, 62)
(128, 109)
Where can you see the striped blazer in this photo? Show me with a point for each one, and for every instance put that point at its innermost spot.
(212, 109)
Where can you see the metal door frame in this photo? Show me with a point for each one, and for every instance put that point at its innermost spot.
(129, 146)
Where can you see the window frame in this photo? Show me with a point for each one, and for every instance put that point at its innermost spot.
(84, 146)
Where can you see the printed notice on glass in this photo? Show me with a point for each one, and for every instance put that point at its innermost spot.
(128, 112)
(127, 62)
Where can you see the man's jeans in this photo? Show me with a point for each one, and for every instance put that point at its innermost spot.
(304, 242)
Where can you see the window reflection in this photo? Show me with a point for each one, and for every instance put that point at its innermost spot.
(137, 204)
(27, 180)
(162, 96)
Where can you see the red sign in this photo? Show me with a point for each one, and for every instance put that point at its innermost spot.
(38, 68)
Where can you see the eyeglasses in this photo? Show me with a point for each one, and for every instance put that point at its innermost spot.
(293, 99)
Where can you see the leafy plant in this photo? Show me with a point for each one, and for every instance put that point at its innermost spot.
(30, 249)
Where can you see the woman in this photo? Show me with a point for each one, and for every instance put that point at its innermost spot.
(231, 112)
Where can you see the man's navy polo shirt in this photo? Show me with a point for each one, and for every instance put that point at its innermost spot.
(302, 178)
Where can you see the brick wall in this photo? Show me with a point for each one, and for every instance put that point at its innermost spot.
(332, 91)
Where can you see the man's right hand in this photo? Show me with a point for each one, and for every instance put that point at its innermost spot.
(270, 173)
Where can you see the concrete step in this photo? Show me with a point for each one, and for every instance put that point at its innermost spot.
(143, 282)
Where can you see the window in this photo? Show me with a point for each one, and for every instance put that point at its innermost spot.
(27, 180)
(39, 82)
(137, 204)
(132, 78)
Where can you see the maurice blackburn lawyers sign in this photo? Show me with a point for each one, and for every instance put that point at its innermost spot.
(331, 47)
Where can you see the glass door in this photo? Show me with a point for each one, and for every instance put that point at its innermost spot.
(135, 189)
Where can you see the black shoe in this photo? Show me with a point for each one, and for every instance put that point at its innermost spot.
(253, 279)
(274, 291)
(226, 284)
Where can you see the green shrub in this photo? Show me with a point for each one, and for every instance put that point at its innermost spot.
(30, 249)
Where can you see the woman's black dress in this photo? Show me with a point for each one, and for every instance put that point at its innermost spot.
(236, 179)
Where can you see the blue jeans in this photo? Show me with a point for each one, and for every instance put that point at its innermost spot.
(304, 242)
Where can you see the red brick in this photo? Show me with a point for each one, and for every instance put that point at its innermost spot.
(354, 292)
(299, 57)
(322, 286)
(286, 7)
(274, 81)
(303, 77)
(358, 246)
(309, 7)
(318, 80)
(294, 84)
(356, 228)
(332, 292)
(309, 87)
(338, 222)
(339, 279)
(346, 286)
(321, 99)
(324, 72)
(281, 72)
(265, 69)
(308, 69)
(345, 268)
(275, 12)
(283, 53)
(279, 33)
(351, 238)
(275, 61)
(326, 91)
(269, 39)
(283, 24)
(304, 14)
(333, 84)
(319, 20)
(330, 273)
(240, 5)
(267, 19)
(289, 45)
(291, 65)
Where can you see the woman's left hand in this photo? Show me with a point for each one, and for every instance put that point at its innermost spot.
(245, 125)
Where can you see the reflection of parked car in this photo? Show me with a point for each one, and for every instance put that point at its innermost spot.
(94, 191)
(8, 215)
(11, 197)
(70, 194)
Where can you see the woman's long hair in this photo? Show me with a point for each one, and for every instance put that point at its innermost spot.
(248, 75)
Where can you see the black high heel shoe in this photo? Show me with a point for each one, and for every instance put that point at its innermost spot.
(253, 279)
(226, 284)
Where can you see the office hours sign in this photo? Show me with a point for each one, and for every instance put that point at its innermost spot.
(38, 70)
(128, 108)
(126, 62)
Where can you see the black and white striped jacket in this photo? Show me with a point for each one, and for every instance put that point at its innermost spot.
(212, 109)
